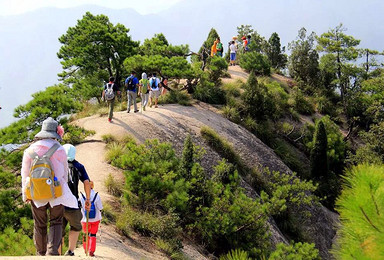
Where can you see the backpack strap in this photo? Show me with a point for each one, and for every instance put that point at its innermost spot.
(51, 151)
(82, 195)
(94, 198)
(48, 154)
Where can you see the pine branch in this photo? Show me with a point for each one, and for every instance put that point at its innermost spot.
(369, 221)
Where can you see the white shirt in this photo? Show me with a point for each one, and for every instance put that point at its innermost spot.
(60, 167)
(157, 83)
(233, 49)
(98, 206)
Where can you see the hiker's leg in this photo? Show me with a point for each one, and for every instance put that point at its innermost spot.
(111, 103)
(129, 100)
(74, 217)
(63, 227)
(92, 235)
(55, 225)
(134, 95)
(84, 225)
(150, 98)
(40, 219)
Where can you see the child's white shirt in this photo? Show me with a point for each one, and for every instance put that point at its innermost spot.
(98, 206)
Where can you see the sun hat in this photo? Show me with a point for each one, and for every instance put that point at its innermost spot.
(49, 130)
(70, 150)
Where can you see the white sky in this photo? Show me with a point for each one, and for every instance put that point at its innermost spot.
(12, 7)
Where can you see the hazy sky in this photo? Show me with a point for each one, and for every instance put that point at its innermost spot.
(11, 7)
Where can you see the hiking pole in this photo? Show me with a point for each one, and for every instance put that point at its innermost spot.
(86, 238)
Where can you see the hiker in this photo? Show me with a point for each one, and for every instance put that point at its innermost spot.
(154, 84)
(73, 216)
(93, 222)
(219, 48)
(144, 90)
(50, 191)
(131, 84)
(109, 94)
(164, 85)
(214, 48)
(245, 44)
(233, 51)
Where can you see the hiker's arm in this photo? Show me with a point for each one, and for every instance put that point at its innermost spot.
(87, 189)
(26, 165)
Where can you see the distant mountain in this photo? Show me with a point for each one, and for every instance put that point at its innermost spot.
(29, 42)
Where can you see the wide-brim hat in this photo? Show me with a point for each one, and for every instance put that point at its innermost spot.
(49, 129)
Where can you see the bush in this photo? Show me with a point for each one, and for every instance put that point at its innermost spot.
(232, 89)
(108, 213)
(255, 62)
(300, 103)
(207, 92)
(114, 187)
(360, 206)
(236, 254)
(75, 134)
(176, 97)
(302, 251)
(231, 113)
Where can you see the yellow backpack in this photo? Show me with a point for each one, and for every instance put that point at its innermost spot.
(42, 183)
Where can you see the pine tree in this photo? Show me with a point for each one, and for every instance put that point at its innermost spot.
(187, 158)
(319, 160)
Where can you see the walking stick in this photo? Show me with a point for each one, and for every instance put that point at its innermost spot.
(86, 238)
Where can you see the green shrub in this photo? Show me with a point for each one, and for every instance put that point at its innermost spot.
(297, 251)
(232, 89)
(176, 97)
(236, 254)
(300, 103)
(207, 92)
(231, 113)
(114, 187)
(256, 63)
(108, 138)
(75, 134)
(17, 243)
(360, 206)
(108, 213)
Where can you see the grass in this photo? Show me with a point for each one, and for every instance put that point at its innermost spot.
(176, 97)
(113, 186)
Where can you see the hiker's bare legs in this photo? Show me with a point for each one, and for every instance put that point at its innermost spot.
(73, 237)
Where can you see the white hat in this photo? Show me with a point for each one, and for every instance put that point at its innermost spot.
(70, 150)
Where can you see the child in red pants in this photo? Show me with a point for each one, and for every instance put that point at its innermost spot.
(93, 221)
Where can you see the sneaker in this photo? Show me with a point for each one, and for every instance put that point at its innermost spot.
(136, 111)
(91, 254)
(128, 111)
(109, 120)
(70, 253)
(156, 106)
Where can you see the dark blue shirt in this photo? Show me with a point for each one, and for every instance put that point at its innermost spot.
(135, 81)
(83, 176)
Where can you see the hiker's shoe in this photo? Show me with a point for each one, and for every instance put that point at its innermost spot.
(70, 253)
(91, 254)
(136, 111)
(156, 106)
(109, 120)
(128, 111)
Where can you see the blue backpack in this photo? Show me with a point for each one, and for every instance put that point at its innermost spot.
(92, 212)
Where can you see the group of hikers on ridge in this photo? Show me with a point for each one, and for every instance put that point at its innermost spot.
(149, 90)
(217, 48)
(50, 178)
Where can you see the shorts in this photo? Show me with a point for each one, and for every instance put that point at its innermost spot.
(154, 93)
(233, 56)
(73, 217)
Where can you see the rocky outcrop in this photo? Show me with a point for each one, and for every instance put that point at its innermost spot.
(173, 122)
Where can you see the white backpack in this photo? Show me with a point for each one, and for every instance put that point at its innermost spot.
(109, 94)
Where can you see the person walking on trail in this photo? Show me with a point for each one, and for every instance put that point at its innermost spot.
(233, 51)
(214, 48)
(73, 216)
(144, 90)
(94, 218)
(164, 85)
(131, 83)
(44, 174)
(245, 44)
(109, 95)
(154, 84)
(219, 48)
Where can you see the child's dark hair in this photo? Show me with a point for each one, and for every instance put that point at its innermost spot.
(111, 79)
